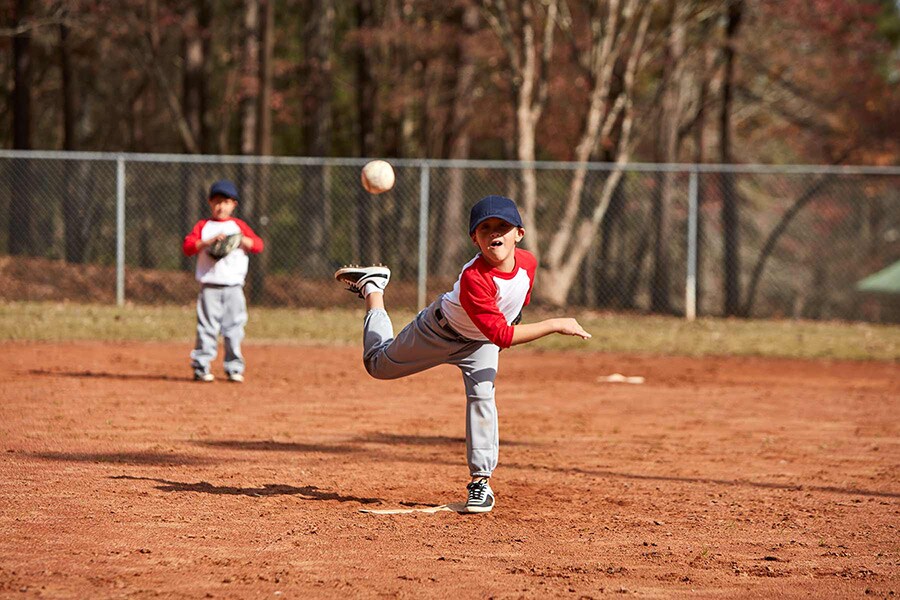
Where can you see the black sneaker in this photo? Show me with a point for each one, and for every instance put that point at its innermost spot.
(481, 496)
(356, 277)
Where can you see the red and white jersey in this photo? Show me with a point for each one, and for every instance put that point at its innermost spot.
(485, 301)
(230, 269)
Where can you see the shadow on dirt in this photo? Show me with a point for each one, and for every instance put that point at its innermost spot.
(379, 437)
(273, 446)
(105, 375)
(797, 487)
(355, 446)
(126, 458)
(308, 492)
(349, 446)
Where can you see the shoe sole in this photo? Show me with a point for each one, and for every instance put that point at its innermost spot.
(481, 509)
(386, 273)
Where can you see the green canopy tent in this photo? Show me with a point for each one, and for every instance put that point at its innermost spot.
(885, 281)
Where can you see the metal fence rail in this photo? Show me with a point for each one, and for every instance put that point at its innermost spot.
(108, 228)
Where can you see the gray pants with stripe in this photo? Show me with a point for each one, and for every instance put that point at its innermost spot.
(220, 309)
(423, 344)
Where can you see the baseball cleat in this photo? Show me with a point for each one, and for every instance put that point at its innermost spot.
(481, 496)
(358, 278)
(204, 377)
(236, 378)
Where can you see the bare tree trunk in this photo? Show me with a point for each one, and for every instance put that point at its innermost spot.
(659, 223)
(730, 201)
(264, 107)
(193, 111)
(363, 237)
(74, 246)
(608, 281)
(636, 264)
(249, 110)
(405, 135)
(453, 222)
(264, 146)
(192, 77)
(699, 158)
(322, 51)
(21, 213)
(670, 126)
(68, 91)
(204, 23)
(316, 227)
(250, 78)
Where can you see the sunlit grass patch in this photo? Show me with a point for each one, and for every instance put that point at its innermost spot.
(628, 333)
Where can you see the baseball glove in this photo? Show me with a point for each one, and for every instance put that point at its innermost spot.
(222, 247)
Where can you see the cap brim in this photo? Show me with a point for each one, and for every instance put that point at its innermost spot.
(475, 225)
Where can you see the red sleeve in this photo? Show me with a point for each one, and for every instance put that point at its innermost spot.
(247, 232)
(477, 295)
(189, 247)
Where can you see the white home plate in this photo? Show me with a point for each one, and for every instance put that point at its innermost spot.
(619, 378)
(457, 507)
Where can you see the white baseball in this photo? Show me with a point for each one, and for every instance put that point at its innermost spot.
(377, 176)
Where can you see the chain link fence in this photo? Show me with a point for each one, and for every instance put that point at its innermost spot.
(671, 239)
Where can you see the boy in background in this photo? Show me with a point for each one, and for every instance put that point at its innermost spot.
(221, 244)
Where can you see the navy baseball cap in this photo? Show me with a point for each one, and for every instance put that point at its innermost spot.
(488, 207)
(223, 187)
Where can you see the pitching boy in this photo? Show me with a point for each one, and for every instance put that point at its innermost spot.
(466, 327)
(221, 306)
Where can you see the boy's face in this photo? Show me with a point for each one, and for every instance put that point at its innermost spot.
(221, 207)
(497, 240)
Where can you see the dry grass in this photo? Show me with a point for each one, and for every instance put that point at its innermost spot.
(46, 321)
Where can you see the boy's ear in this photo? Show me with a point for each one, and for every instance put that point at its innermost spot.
(520, 233)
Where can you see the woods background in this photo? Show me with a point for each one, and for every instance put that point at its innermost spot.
(612, 81)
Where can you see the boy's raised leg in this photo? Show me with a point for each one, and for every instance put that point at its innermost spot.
(386, 356)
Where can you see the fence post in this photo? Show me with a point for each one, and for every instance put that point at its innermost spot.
(424, 184)
(690, 290)
(120, 231)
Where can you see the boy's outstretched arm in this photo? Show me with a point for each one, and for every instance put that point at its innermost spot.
(533, 331)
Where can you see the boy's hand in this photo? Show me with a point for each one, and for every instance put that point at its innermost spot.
(207, 243)
(569, 326)
(246, 243)
(533, 331)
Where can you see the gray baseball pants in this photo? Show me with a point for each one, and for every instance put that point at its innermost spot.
(220, 308)
(426, 343)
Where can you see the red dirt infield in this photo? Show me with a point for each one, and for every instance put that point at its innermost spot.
(718, 477)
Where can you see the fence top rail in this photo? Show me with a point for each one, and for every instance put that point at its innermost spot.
(447, 163)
